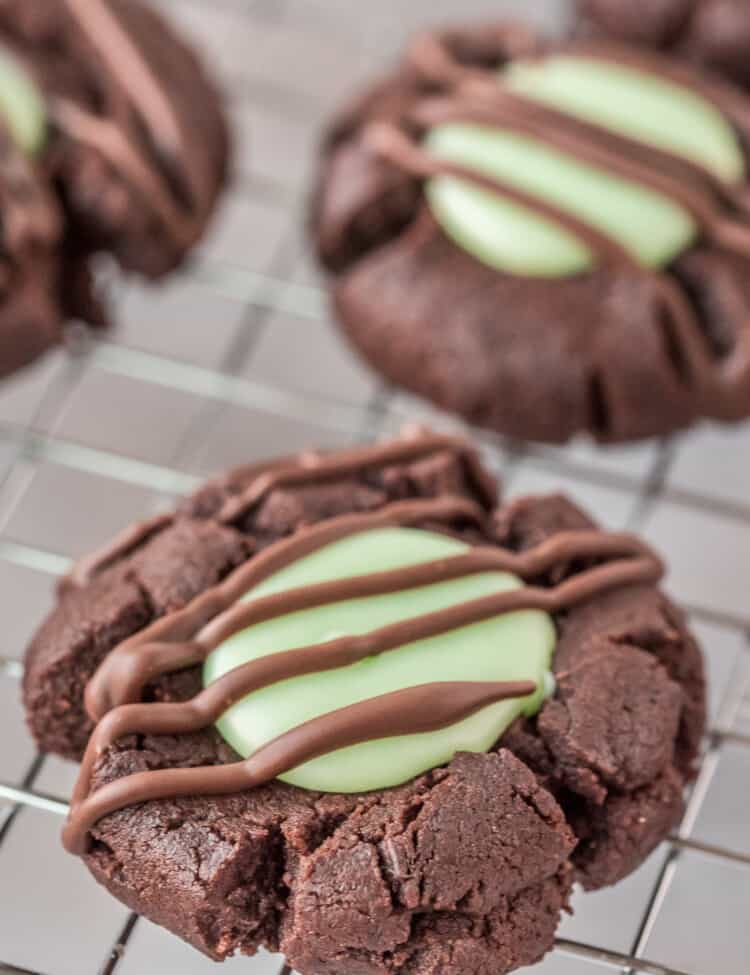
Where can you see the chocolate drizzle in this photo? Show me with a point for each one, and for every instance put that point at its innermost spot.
(99, 24)
(306, 468)
(415, 710)
(704, 196)
(472, 93)
(314, 468)
(395, 146)
(146, 141)
(728, 98)
(184, 638)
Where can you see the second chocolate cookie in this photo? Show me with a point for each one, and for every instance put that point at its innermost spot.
(545, 239)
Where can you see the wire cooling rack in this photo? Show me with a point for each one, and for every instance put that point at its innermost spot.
(237, 359)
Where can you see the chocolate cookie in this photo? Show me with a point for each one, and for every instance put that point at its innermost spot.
(711, 33)
(546, 239)
(31, 269)
(113, 120)
(346, 707)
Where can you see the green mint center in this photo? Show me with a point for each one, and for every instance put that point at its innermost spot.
(651, 226)
(513, 646)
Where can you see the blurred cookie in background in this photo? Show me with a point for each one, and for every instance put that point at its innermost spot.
(114, 142)
(31, 260)
(546, 238)
(712, 33)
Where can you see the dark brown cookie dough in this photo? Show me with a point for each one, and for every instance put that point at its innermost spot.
(31, 276)
(533, 358)
(138, 146)
(711, 33)
(133, 161)
(463, 870)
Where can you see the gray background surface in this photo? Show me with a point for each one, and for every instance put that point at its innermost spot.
(236, 358)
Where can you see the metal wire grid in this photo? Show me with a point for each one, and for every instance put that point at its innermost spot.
(35, 439)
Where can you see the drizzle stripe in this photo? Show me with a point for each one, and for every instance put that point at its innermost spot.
(416, 710)
(254, 675)
(728, 98)
(209, 704)
(102, 29)
(480, 559)
(88, 566)
(106, 137)
(396, 147)
(123, 673)
(431, 57)
(690, 186)
(345, 463)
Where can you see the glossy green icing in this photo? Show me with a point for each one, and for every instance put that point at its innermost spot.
(651, 226)
(514, 646)
(513, 238)
(22, 106)
(642, 106)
